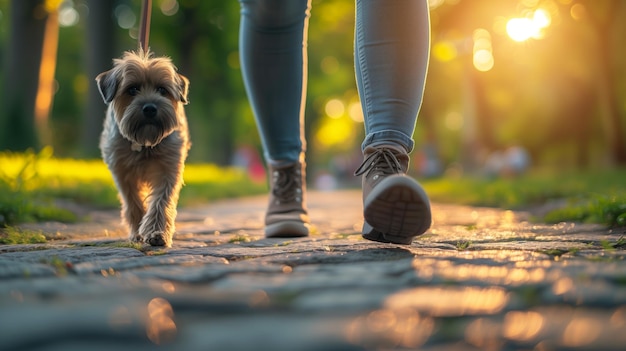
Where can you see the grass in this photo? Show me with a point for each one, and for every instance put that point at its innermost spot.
(594, 208)
(239, 239)
(127, 245)
(531, 189)
(30, 182)
(593, 196)
(619, 244)
(14, 236)
(554, 252)
(463, 245)
(58, 264)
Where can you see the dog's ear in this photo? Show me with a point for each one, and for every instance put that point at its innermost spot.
(183, 88)
(107, 84)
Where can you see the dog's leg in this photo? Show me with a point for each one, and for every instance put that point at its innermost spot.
(158, 224)
(133, 207)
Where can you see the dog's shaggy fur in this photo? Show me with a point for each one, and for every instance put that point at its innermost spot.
(145, 141)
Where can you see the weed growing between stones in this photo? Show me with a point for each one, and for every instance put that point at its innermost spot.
(463, 245)
(121, 244)
(284, 243)
(239, 239)
(620, 243)
(127, 244)
(554, 253)
(58, 264)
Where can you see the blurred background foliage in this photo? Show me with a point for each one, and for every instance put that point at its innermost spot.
(541, 77)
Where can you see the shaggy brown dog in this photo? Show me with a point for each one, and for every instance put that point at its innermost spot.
(145, 141)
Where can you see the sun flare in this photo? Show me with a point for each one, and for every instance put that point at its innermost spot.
(522, 29)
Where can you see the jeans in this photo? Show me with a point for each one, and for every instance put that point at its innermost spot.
(392, 41)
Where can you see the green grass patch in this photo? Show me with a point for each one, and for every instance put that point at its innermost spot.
(606, 209)
(206, 182)
(594, 196)
(18, 205)
(534, 188)
(14, 236)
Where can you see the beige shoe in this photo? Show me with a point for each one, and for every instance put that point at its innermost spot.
(395, 207)
(287, 214)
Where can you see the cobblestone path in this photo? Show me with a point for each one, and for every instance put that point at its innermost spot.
(480, 279)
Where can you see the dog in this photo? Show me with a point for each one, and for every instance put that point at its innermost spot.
(145, 141)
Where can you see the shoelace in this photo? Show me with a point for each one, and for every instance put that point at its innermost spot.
(382, 160)
(287, 184)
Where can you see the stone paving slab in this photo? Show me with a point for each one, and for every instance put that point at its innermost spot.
(480, 279)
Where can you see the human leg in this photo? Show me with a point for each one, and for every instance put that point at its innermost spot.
(392, 40)
(272, 46)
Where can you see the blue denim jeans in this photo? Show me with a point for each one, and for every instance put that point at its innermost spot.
(392, 41)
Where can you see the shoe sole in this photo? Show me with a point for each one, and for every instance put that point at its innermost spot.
(287, 229)
(372, 234)
(396, 211)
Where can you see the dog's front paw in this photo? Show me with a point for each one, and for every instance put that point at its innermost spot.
(156, 238)
(155, 232)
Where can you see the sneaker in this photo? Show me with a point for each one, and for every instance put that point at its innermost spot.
(395, 207)
(286, 214)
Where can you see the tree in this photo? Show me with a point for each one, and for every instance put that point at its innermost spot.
(606, 21)
(23, 57)
(99, 52)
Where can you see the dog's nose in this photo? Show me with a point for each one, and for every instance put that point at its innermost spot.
(149, 110)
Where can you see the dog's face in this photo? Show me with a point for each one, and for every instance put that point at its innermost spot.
(146, 95)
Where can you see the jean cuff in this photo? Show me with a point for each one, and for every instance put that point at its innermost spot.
(389, 137)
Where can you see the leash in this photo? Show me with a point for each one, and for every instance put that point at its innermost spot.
(144, 27)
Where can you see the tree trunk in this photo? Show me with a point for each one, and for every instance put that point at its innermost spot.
(17, 120)
(100, 48)
(606, 32)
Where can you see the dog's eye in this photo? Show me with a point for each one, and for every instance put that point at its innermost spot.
(132, 91)
(161, 91)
